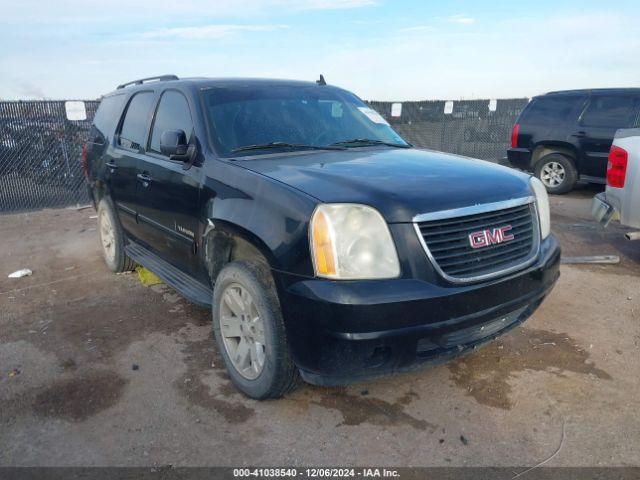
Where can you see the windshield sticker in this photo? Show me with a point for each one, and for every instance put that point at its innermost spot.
(372, 115)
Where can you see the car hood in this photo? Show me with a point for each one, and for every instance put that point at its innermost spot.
(400, 183)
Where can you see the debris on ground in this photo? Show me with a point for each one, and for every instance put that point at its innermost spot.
(14, 373)
(597, 259)
(147, 277)
(25, 272)
(93, 217)
(581, 225)
(68, 364)
(135, 366)
(548, 458)
(464, 440)
(632, 236)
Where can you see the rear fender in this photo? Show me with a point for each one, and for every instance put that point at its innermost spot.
(98, 190)
(565, 149)
(627, 200)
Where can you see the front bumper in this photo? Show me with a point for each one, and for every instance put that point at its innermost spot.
(340, 332)
(602, 210)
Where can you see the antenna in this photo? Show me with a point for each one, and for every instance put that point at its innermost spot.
(321, 81)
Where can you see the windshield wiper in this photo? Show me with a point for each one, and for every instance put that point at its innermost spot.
(301, 146)
(363, 142)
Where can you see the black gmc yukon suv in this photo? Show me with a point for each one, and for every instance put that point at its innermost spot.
(563, 137)
(325, 245)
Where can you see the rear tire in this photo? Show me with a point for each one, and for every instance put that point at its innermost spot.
(557, 173)
(112, 238)
(250, 332)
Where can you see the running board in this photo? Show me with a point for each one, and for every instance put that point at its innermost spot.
(185, 284)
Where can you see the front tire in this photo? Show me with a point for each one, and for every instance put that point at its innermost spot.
(250, 332)
(112, 238)
(557, 173)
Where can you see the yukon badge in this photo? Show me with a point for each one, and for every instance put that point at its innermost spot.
(185, 231)
(484, 238)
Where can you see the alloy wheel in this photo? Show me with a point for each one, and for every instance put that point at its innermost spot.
(242, 331)
(552, 174)
(107, 237)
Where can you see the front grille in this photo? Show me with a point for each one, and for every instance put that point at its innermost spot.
(448, 244)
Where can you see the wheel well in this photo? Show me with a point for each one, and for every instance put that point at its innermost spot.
(223, 247)
(543, 150)
(99, 190)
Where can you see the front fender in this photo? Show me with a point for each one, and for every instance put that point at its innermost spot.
(271, 216)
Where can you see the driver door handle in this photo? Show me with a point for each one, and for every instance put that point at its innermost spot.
(145, 179)
(579, 134)
(111, 165)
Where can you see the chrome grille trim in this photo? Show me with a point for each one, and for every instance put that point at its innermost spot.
(473, 209)
(487, 208)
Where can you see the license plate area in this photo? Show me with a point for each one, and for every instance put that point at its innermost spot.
(477, 332)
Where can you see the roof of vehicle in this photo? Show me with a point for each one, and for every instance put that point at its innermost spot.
(586, 91)
(201, 83)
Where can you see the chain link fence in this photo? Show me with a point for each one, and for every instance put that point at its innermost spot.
(474, 128)
(40, 149)
(41, 142)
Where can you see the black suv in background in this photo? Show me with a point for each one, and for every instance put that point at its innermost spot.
(322, 241)
(563, 137)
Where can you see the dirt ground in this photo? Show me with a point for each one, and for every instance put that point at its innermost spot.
(96, 369)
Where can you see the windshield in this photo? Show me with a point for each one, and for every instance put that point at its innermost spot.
(292, 117)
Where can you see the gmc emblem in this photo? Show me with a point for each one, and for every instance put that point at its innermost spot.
(484, 238)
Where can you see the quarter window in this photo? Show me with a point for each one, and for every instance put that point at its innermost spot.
(610, 111)
(172, 114)
(134, 126)
(551, 109)
(106, 118)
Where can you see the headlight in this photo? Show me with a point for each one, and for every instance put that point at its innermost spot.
(350, 241)
(542, 203)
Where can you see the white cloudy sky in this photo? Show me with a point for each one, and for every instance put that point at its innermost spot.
(380, 49)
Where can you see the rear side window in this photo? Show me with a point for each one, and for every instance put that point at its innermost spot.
(134, 126)
(173, 114)
(550, 109)
(106, 117)
(614, 111)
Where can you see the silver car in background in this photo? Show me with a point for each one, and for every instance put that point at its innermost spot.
(621, 200)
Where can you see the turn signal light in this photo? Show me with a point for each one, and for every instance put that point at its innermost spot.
(323, 245)
(617, 167)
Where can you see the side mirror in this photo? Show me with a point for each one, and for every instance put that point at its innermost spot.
(173, 144)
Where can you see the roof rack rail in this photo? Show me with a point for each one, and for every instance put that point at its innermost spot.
(161, 78)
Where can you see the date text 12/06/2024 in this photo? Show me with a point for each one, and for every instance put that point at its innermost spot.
(315, 473)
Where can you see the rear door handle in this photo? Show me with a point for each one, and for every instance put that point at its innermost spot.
(145, 179)
(579, 134)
